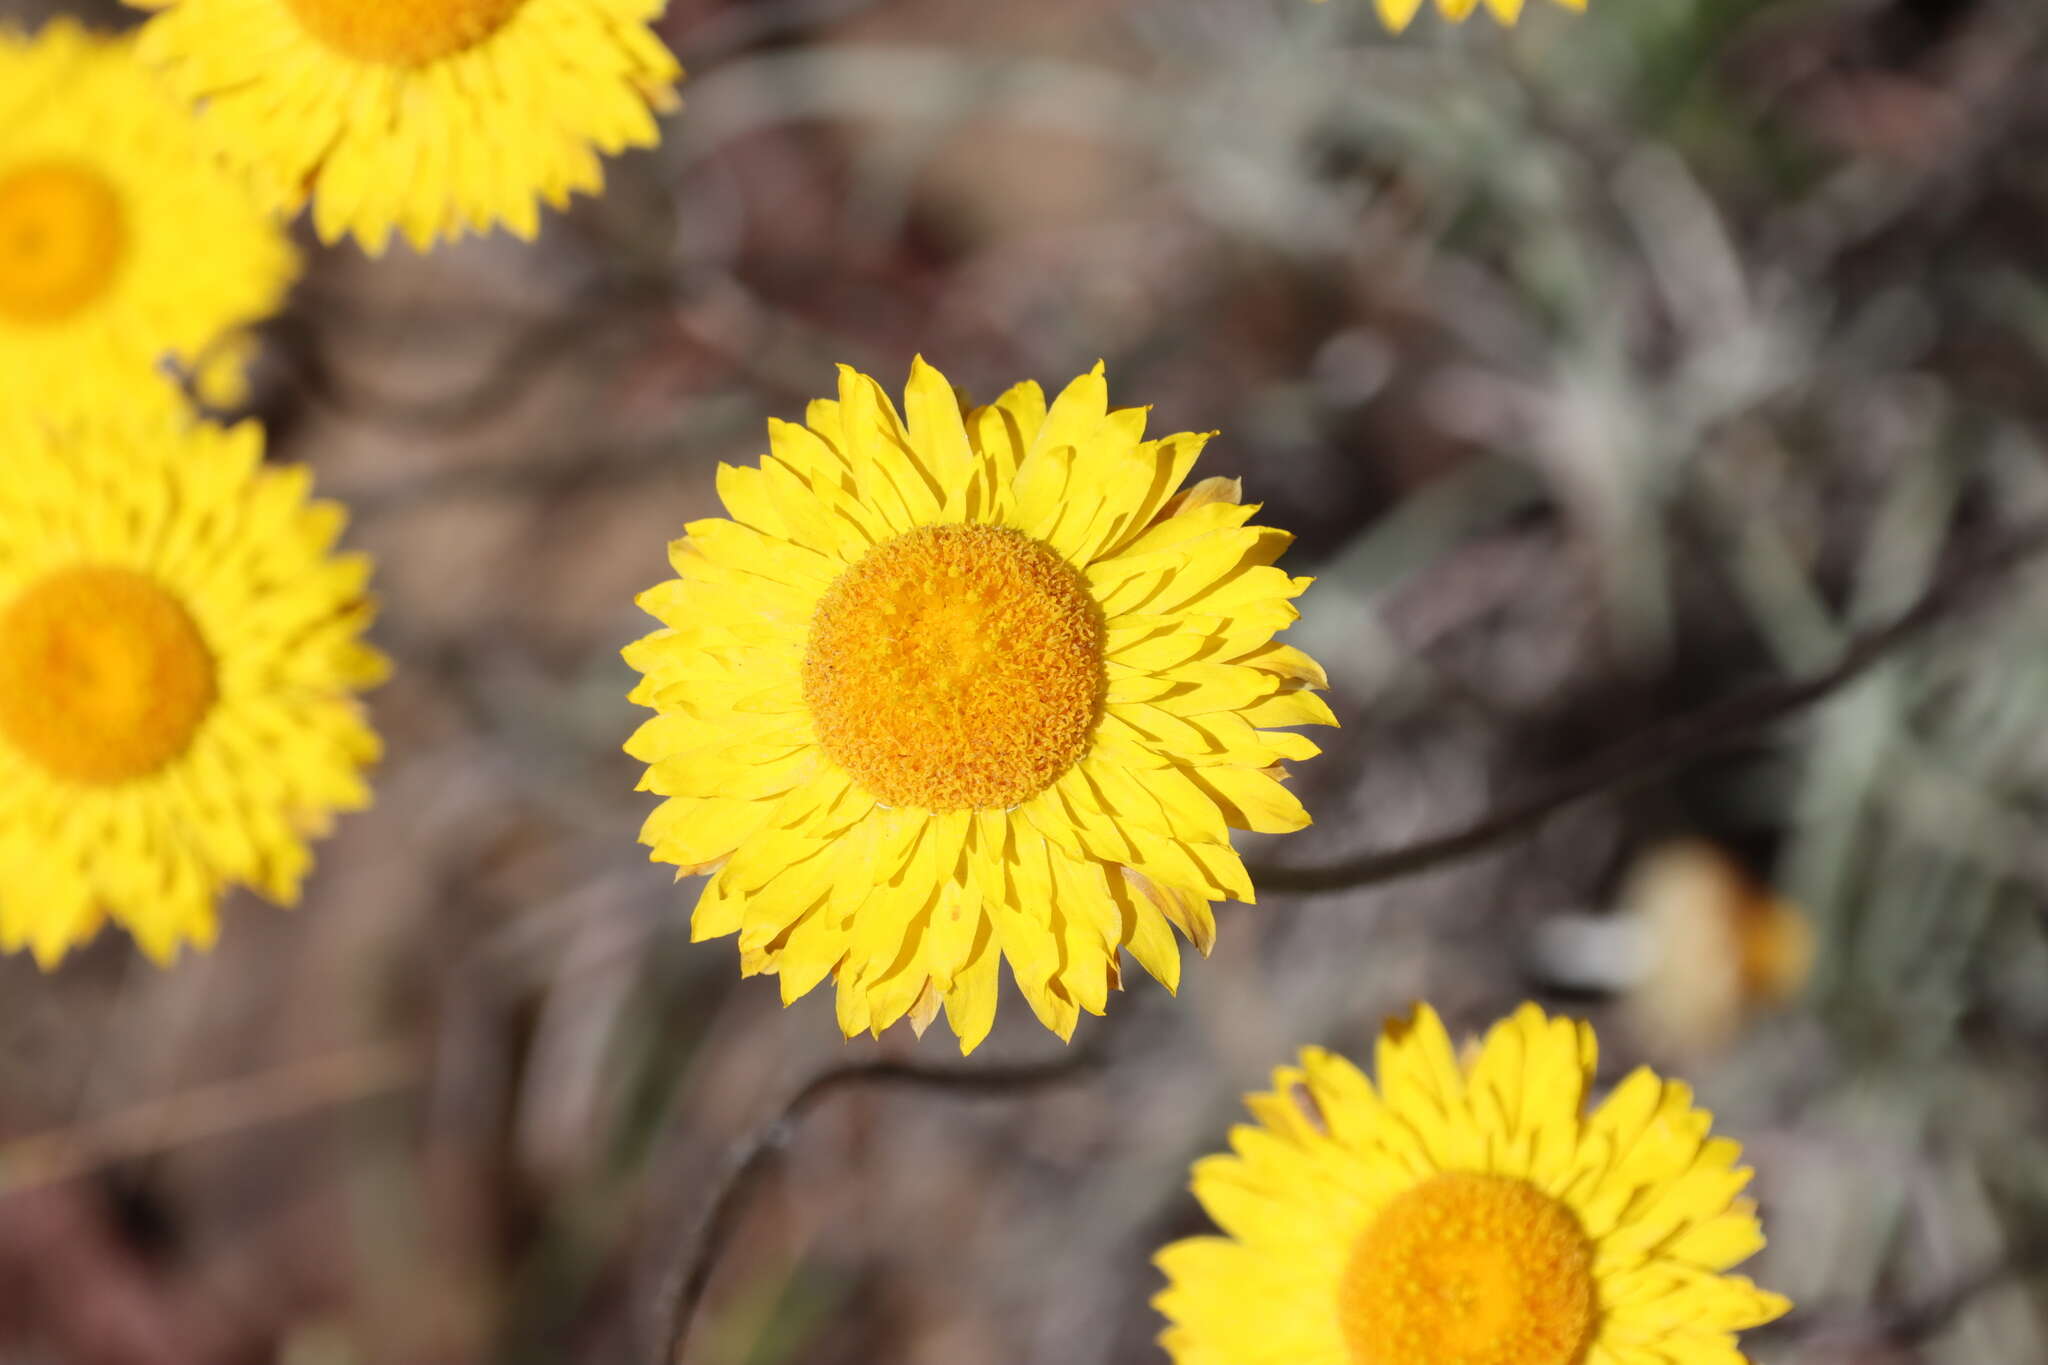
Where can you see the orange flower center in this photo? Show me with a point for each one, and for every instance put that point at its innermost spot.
(402, 32)
(1474, 1270)
(61, 239)
(104, 677)
(956, 668)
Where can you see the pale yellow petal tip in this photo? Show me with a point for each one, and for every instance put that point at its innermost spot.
(371, 670)
(1420, 1020)
(1769, 1303)
(220, 375)
(1528, 1018)
(1398, 14)
(49, 953)
(1314, 1056)
(1064, 1027)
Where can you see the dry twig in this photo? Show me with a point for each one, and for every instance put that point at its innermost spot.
(209, 1111)
(1644, 757)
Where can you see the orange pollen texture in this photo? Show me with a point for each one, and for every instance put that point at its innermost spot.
(104, 677)
(1470, 1269)
(62, 235)
(401, 32)
(957, 667)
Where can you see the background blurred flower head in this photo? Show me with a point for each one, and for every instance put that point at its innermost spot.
(1720, 948)
(429, 119)
(179, 658)
(1696, 947)
(123, 244)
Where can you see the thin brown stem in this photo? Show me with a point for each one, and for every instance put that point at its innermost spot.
(209, 1111)
(751, 1157)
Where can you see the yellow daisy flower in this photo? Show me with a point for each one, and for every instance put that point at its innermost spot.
(122, 243)
(1468, 1211)
(1397, 14)
(961, 686)
(433, 117)
(178, 656)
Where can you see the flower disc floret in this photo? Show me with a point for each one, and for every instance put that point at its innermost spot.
(956, 667)
(1474, 1268)
(104, 677)
(61, 240)
(402, 32)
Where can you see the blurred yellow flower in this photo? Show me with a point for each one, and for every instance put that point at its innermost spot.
(1713, 949)
(1468, 1211)
(1398, 13)
(179, 654)
(122, 244)
(431, 117)
(961, 686)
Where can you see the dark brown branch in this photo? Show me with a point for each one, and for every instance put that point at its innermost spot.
(750, 1159)
(1665, 747)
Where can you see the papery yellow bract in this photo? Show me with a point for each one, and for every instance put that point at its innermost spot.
(1470, 1210)
(954, 687)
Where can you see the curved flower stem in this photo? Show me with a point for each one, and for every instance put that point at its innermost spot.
(675, 1306)
(1661, 748)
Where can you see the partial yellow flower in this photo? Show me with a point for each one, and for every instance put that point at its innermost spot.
(179, 656)
(123, 244)
(430, 117)
(962, 686)
(1714, 948)
(1397, 14)
(1468, 1211)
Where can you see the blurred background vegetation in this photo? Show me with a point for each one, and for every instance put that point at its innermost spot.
(1606, 367)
